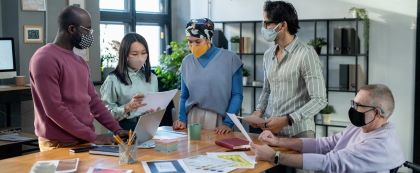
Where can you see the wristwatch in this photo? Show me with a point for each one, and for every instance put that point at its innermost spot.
(277, 158)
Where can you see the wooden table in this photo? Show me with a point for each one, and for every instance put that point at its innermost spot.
(185, 149)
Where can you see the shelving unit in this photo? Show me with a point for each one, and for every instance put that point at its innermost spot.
(309, 29)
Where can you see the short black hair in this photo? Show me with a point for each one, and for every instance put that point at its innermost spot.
(70, 16)
(280, 11)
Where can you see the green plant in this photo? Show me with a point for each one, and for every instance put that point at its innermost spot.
(235, 39)
(245, 72)
(109, 56)
(317, 42)
(362, 14)
(329, 109)
(168, 72)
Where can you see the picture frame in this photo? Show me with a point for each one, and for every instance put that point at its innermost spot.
(77, 3)
(33, 34)
(33, 5)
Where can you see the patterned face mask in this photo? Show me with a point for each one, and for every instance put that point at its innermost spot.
(86, 41)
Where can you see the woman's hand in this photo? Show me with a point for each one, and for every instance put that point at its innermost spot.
(223, 129)
(179, 125)
(134, 103)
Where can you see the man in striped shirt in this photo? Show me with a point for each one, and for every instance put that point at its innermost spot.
(294, 88)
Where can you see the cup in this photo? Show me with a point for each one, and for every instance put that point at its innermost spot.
(20, 80)
(127, 154)
(194, 131)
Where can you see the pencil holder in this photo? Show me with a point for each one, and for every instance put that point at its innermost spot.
(127, 154)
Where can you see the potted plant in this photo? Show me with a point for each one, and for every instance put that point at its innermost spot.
(326, 113)
(361, 13)
(168, 71)
(245, 76)
(169, 77)
(234, 44)
(317, 43)
(109, 59)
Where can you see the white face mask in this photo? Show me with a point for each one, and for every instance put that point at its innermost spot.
(136, 63)
(269, 34)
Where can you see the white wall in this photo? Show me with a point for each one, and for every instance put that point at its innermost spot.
(392, 43)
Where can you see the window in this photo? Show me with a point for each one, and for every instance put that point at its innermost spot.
(149, 18)
(154, 6)
(109, 33)
(152, 34)
(112, 5)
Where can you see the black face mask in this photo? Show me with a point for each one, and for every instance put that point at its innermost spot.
(358, 118)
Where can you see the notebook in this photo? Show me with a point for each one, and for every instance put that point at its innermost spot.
(109, 150)
(233, 143)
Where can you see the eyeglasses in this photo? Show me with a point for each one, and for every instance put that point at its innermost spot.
(87, 29)
(355, 105)
(268, 22)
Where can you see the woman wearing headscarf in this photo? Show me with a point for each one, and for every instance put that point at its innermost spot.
(211, 81)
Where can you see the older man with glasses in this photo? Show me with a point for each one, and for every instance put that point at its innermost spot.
(370, 144)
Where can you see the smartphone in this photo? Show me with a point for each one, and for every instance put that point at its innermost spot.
(81, 149)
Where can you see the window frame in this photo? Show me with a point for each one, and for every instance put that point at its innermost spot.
(131, 18)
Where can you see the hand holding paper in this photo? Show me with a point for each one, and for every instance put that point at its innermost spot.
(155, 100)
(254, 121)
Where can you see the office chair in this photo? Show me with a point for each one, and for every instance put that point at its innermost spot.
(412, 166)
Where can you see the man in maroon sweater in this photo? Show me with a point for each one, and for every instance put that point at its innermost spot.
(64, 97)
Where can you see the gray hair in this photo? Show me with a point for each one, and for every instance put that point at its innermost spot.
(381, 97)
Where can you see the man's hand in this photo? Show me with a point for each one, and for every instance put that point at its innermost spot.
(223, 129)
(263, 152)
(134, 103)
(179, 125)
(255, 120)
(104, 140)
(123, 134)
(268, 137)
(276, 124)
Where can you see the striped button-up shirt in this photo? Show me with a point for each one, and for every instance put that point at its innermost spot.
(293, 86)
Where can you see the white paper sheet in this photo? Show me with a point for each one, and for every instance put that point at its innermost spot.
(155, 100)
(239, 125)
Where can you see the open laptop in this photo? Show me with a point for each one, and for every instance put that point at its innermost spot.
(146, 128)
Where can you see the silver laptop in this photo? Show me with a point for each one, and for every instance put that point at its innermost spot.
(146, 128)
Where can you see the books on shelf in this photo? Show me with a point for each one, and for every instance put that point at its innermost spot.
(347, 76)
(346, 41)
(245, 45)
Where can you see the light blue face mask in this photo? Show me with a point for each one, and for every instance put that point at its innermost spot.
(269, 34)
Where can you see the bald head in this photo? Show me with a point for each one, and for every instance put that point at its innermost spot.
(72, 15)
(381, 96)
